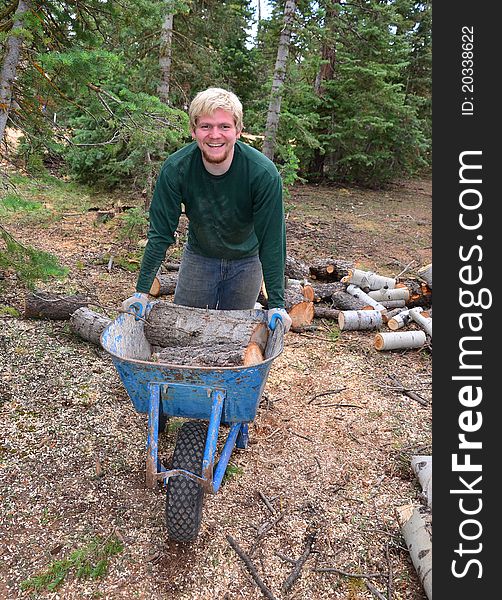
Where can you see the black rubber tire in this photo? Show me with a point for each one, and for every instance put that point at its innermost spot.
(163, 420)
(185, 497)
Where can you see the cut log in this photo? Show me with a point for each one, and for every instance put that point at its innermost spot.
(399, 340)
(420, 292)
(302, 287)
(320, 312)
(390, 314)
(422, 467)
(367, 280)
(330, 269)
(299, 309)
(295, 269)
(46, 305)
(171, 324)
(357, 292)
(417, 533)
(359, 320)
(424, 322)
(399, 321)
(390, 304)
(324, 291)
(385, 294)
(205, 355)
(426, 274)
(88, 325)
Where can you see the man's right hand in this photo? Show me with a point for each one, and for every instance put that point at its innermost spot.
(136, 304)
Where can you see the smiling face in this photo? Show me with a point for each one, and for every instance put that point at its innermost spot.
(216, 135)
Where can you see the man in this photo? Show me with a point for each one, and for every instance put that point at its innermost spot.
(232, 196)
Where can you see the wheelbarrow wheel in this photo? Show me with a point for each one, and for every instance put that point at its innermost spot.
(184, 496)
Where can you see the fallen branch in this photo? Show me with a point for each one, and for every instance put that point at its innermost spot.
(250, 567)
(295, 573)
(400, 387)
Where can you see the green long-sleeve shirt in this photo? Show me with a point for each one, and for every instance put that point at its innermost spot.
(234, 215)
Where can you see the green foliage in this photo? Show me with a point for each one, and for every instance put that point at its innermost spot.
(88, 562)
(134, 224)
(14, 203)
(29, 264)
(8, 311)
(356, 104)
(232, 471)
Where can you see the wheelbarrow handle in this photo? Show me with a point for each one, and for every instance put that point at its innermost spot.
(276, 318)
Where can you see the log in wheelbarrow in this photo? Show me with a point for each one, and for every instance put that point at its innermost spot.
(206, 397)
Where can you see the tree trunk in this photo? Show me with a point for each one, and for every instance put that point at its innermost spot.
(10, 62)
(274, 107)
(88, 325)
(299, 308)
(399, 320)
(420, 292)
(46, 305)
(165, 59)
(320, 312)
(164, 285)
(295, 268)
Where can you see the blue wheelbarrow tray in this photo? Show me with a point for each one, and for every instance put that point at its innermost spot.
(228, 395)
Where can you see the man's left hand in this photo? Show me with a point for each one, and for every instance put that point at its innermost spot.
(281, 314)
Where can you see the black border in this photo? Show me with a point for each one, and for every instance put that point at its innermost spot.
(454, 133)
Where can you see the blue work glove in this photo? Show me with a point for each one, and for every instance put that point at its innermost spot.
(278, 314)
(136, 304)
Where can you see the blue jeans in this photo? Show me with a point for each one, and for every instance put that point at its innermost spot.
(218, 283)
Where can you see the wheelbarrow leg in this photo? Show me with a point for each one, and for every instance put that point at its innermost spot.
(152, 444)
(243, 437)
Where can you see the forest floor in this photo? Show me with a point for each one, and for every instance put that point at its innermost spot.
(330, 447)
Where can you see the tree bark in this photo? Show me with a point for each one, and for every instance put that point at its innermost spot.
(274, 107)
(426, 274)
(359, 320)
(422, 467)
(330, 269)
(417, 533)
(399, 340)
(357, 292)
(367, 280)
(165, 58)
(88, 325)
(170, 324)
(424, 322)
(46, 305)
(295, 268)
(10, 63)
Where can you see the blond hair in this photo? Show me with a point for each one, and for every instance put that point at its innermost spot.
(212, 99)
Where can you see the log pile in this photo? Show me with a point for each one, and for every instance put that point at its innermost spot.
(328, 289)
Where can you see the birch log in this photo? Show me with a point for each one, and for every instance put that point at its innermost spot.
(417, 533)
(399, 321)
(399, 340)
(426, 274)
(390, 314)
(385, 294)
(424, 322)
(367, 280)
(359, 320)
(422, 467)
(357, 292)
(393, 304)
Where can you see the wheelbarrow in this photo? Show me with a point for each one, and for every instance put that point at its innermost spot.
(206, 397)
